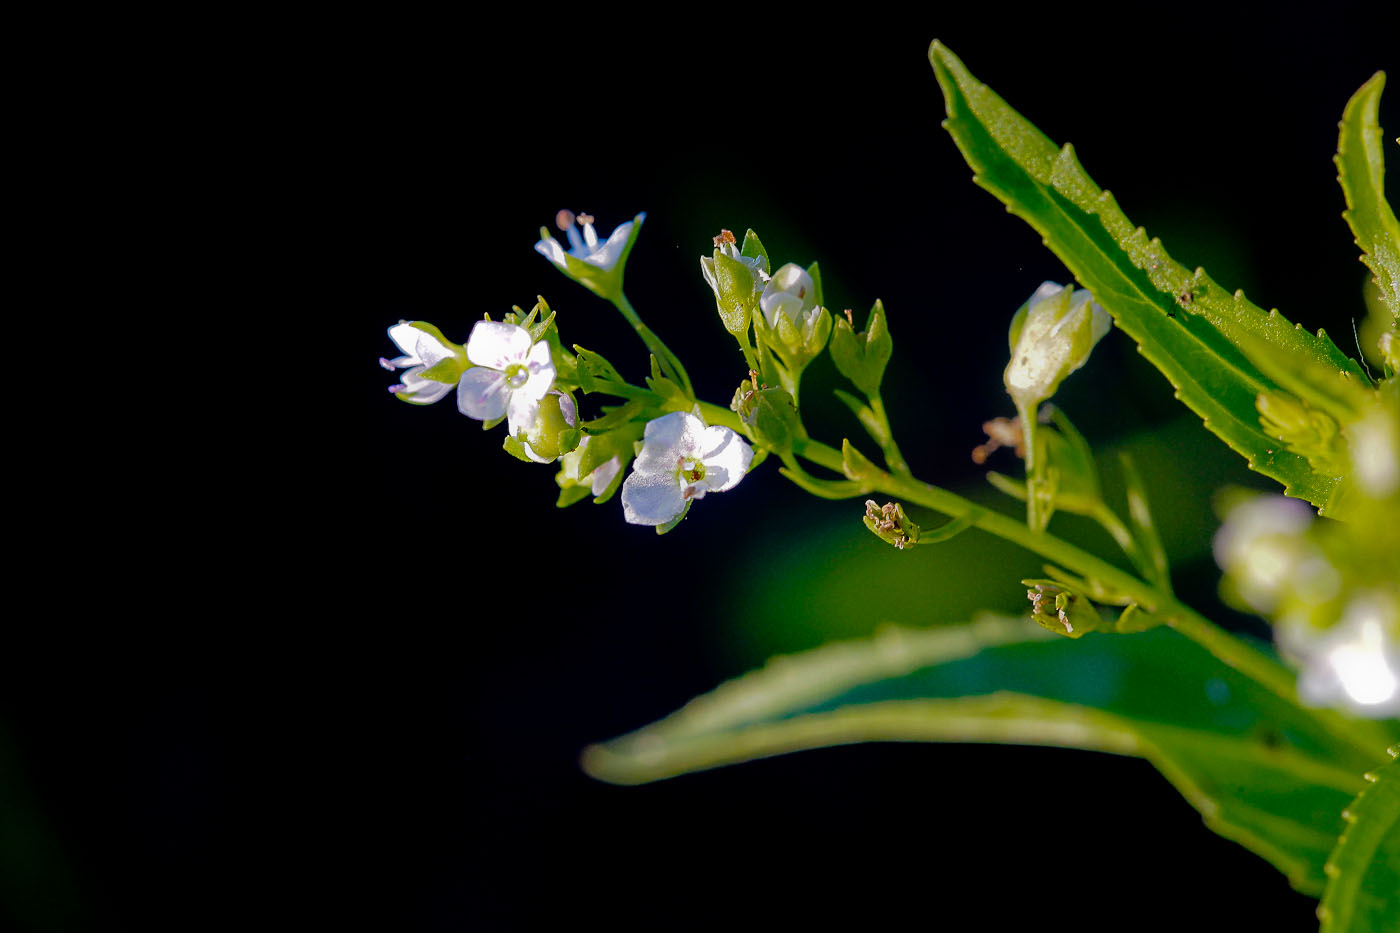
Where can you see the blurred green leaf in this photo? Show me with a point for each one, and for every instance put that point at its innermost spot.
(1259, 769)
(1363, 888)
(1361, 172)
(1184, 322)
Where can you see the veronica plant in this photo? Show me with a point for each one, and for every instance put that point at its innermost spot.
(1291, 754)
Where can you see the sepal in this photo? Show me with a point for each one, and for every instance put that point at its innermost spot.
(862, 357)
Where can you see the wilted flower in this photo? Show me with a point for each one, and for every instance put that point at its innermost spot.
(511, 375)
(1051, 336)
(433, 363)
(681, 459)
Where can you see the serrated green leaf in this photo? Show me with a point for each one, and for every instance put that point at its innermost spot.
(1363, 887)
(1260, 770)
(613, 417)
(1361, 172)
(1185, 323)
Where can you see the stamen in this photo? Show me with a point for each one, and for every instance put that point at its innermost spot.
(850, 320)
(387, 365)
(564, 219)
(396, 388)
(585, 219)
(724, 237)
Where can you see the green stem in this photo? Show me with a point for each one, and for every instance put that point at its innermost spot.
(670, 366)
(893, 458)
(1233, 652)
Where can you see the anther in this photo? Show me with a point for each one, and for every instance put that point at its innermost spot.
(850, 320)
(564, 219)
(585, 219)
(725, 236)
(387, 365)
(397, 388)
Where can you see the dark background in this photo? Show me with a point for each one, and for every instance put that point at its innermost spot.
(394, 726)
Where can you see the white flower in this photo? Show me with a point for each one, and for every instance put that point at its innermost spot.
(510, 376)
(599, 479)
(681, 460)
(587, 247)
(1355, 663)
(1051, 336)
(791, 292)
(424, 349)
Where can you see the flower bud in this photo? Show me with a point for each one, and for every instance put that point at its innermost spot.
(1051, 336)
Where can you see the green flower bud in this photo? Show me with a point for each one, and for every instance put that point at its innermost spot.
(1304, 430)
(1051, 336)
(769, 413)
(861, 357)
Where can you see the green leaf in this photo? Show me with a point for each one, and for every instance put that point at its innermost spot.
(1261, 770)
(1361, 172)
(593, 369)
(1184, 322)
(1363, 887)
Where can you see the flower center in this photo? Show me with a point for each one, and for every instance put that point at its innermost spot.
(689, 470)
(517, 374)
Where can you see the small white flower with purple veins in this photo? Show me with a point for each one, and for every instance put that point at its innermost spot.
(682, 459)
(510, 376)
(432, 363)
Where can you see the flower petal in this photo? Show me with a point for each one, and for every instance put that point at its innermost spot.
(726, 458)
(666, 439)
(482, 394)
(521, 411)
(541, 378)
(405, 336)
(551, 250)
(422, 391)
(497, 344)
(651, 498)
(602, 477)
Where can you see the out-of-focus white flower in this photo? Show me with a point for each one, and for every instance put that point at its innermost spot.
(1051, 336)
(1355, 663)
(681, 459)
(511, 374)
(1266, 554)
(432, 363)
(1375, 451)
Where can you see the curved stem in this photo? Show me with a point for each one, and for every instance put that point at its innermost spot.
(671, 366)
(893, 458)
(1234, 652)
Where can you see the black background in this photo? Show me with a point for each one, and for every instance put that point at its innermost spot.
(377, 702)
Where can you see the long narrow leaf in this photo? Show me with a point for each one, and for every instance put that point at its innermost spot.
(1185, 323)
(1258, 768)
